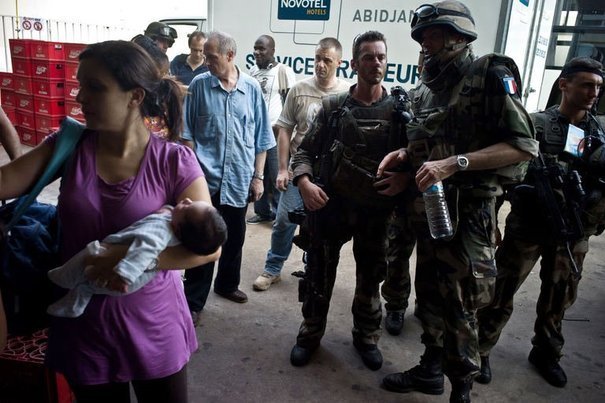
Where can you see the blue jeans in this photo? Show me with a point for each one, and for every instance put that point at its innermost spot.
(283, 230)
(266, 206)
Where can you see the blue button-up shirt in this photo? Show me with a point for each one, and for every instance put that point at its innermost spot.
(228, 130)
(182, 71)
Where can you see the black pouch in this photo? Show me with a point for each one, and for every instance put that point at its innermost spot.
(353, 177)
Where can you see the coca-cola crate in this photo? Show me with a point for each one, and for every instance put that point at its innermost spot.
(27, 135)
(7, 81)
(22, 67)
(52, 69)
(20, 48)
(71, 90)
(71, 71)
(47, 50)
(23, 375)
(7, 99)
(73, 50)
(42, 134)
(24, 102)
(48, 123)
(25, 119)
(11, 113)
(49, 106)
(48, 88)
(23, 85)
(74, 110)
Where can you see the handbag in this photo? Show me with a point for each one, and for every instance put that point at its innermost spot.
(29, 243)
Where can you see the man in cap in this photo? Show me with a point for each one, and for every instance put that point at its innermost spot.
(162, 34)
(555, 229)
(471, 132)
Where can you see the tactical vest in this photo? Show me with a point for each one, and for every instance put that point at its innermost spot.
(551, 132)
(458, 121)
(360, 136)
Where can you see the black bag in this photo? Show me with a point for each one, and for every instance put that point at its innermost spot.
(28, 250)
(29, 244)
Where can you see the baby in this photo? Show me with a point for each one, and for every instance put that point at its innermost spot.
(198, 226)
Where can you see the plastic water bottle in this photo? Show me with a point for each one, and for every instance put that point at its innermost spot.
(437, 213)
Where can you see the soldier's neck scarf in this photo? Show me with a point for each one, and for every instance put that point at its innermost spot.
(441, 78)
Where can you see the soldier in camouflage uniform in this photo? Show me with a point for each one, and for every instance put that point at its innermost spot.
(334, 169)
(529, 234)
(469, 130)
(397, 286)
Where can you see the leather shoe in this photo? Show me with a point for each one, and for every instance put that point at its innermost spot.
(236, 296)
(393, 322)
(300, 356)
(370, 355)
(485, 375)
(548, 368)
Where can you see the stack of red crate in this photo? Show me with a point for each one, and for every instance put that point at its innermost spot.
(44, 86)
(7, 96)
(72, 107)
(48, 72)
(23, 90)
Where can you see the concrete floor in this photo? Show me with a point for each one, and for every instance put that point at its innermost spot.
(244, 349)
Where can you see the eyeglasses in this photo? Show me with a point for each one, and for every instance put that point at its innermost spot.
(429, 12)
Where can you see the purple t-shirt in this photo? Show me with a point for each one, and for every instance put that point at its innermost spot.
(149, 333)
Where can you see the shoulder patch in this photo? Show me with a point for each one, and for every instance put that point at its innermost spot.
(510, 85)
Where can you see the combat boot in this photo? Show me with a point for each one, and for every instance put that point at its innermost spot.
(427, 377)
(485, 375)
(461, 391)
(548, 367)
(393, 322)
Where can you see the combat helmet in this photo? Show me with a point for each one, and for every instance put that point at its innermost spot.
(160, 30)
(450, 13)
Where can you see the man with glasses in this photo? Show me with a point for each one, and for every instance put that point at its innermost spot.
(184, 67)
(471, 132)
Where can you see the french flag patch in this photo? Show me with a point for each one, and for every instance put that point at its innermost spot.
(510, 85)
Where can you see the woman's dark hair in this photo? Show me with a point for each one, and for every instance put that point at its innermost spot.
(132, 67)
(154, 51)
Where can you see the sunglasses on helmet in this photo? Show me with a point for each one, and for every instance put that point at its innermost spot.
(165, 31)
(429, 12)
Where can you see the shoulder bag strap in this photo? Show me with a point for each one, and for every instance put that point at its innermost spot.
(68, 136)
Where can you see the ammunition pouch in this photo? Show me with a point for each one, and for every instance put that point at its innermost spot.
(353, 178)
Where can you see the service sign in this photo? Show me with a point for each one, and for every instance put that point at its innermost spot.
(298, 25)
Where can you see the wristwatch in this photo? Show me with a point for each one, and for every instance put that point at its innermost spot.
(258, 176)
(461, 162)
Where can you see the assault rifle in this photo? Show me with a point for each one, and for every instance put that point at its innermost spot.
(562, 215)
(313, 278)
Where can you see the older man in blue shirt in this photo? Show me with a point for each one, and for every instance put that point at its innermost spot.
(227, 125)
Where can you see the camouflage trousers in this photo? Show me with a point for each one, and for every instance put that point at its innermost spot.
(515, 259)
(453, 279)
(400, 245)
(367, 228)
